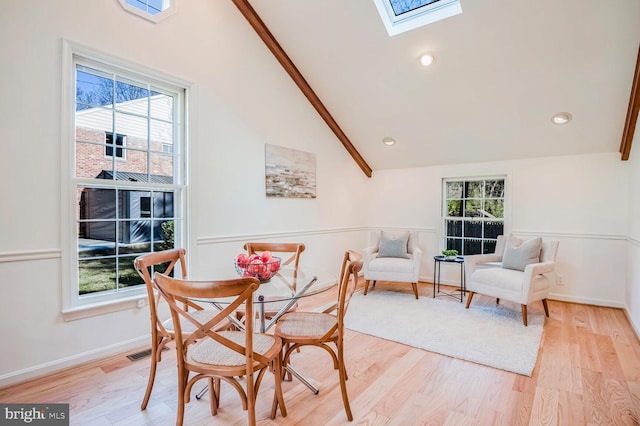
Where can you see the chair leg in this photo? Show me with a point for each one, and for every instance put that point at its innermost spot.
(278, 398)
(287, 375)
(182, 381)
(214, 395)
(546, 307)
(366, 286)
(469, 297)
(415, 289)
(251, 399)
(343, 382)
(152, 375)
(524, 315)
(152, 372)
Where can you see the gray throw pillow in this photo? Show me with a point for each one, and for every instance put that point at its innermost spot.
(518, 253)
(393, 244)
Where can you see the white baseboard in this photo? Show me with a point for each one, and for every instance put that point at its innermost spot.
(81, 358)
(586, 300)
(633, 324)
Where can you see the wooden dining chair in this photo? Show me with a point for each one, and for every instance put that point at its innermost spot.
(291, 256)
(292, 250)
(297, 329)
(162, 332)
(226, 355)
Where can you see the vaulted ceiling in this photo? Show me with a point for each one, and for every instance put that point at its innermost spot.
(502, 69)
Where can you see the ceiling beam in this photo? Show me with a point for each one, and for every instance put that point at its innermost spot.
(263, 32)
(632, 113)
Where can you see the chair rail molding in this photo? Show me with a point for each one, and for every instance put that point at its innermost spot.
(570, 235)
(25, 255)
(403, 228)
(264, 236)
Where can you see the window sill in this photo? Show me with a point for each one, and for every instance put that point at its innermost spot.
(96, 309)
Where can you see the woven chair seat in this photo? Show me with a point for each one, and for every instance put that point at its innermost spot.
(307, 324)
(202, 316)
(298, 329)
(211, 352)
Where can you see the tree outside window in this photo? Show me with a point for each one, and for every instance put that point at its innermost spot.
(473, 214)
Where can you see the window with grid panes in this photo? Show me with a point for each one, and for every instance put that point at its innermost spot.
(119, 142)
(473, 214)
(127, 202)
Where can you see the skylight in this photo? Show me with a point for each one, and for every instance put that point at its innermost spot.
(399, 16)
(153, 10)
(403, 6)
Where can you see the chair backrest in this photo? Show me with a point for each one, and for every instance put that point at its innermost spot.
(161, 261)
(351, 265)
(294, 249)
(173, 290)
(549, 251)
(374, 239)
(501, 244)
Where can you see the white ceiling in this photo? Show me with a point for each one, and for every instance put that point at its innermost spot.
(503, 68)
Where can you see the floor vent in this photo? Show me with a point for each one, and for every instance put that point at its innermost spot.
(142, 354)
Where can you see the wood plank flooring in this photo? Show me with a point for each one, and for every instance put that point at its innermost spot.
(588, 373)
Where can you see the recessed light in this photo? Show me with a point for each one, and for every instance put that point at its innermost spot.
(561, 118)
(427, 59)
(388, 141)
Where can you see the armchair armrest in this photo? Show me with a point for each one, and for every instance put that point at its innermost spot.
(471, 262)
(370, 250)
(539, 268)
(530, 272)
(417, 256)
(368, 254)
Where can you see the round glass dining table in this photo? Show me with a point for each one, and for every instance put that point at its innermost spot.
(277, 295)
(280, 293)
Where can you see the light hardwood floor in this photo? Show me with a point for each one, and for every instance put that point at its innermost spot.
(587, 373)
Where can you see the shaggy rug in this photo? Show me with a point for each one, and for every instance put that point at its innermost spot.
(491, 336)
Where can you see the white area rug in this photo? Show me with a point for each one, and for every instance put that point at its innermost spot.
(493, 337)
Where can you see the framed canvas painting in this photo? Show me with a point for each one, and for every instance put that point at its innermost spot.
(289, 173)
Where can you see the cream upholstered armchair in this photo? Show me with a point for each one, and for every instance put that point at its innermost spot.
(518, 271)
(392, 256)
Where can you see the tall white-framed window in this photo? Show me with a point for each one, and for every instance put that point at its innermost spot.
(473, 214)
(126, 191)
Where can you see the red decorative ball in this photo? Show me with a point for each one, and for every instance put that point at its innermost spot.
(255, 266)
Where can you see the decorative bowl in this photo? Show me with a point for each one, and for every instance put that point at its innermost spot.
(257, 268)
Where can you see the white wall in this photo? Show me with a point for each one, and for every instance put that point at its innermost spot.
(579, 200)
(632, 296)
(240, 100)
